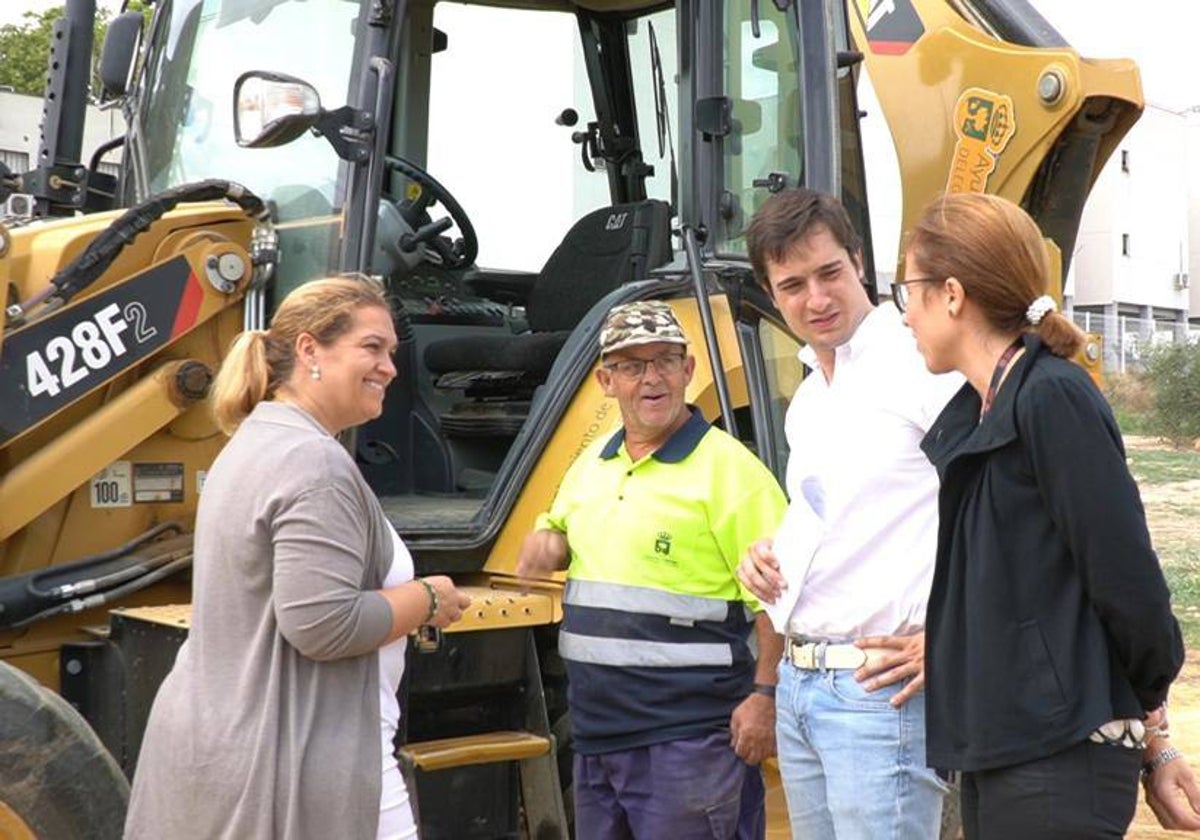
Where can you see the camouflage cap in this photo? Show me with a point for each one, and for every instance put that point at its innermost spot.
(641, 322)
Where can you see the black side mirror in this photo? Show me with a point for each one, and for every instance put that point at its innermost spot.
(116, 57)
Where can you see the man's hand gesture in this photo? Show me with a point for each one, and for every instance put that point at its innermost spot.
(759, 572)
(542, 553)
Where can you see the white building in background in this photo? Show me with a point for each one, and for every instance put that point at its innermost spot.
(1192, 142)
(20, 132)
(1130, 276)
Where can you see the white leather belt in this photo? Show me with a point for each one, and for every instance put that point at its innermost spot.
(821, 656)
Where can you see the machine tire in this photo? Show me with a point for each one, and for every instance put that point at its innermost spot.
(56, 775)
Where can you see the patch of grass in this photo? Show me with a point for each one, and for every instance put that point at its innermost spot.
(1131, 396)
(1163, 466)
(1173, 504)
(1181, 565)
(1130, 422)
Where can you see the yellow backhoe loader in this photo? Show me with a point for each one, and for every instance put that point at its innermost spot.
(511, 170)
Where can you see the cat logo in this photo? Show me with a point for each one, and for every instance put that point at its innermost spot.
(662, 543)
(616, 221)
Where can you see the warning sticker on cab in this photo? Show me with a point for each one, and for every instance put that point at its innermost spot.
(110, 488)
(984, 122)
(892, 26)
(157, 482)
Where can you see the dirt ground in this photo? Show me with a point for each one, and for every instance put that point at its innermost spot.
(1185, 733)
(1170, 510)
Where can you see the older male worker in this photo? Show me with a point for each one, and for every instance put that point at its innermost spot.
(850, 711)
(670, 713)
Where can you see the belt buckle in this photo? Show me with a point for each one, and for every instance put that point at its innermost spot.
(808, 656)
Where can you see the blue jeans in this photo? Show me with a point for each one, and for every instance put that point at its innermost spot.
(853, 768)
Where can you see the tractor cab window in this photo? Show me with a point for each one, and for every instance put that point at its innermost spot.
(510, 100)
(654, 66)
(496, 92)
(762, 80)
(184, 128)
(783, 374)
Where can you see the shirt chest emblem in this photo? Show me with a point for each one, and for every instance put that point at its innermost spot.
(662, 547)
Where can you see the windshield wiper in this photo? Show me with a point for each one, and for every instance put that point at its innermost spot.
(662, 115)
(781, 5)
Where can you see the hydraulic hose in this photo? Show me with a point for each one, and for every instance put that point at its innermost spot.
(35, 593)
(101, 598)
(70, 570)
(85, 269)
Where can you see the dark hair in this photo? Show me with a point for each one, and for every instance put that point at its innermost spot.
(259, 361)
(790, 216)
(997, 252)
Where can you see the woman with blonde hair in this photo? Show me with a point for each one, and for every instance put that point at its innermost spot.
(1050, 642)
(281, 708)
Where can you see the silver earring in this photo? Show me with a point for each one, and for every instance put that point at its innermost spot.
(314, 372)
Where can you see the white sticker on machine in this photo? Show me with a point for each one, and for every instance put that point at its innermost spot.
(157, 482)
(110, 488)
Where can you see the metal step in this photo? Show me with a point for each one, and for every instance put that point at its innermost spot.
(489, 747)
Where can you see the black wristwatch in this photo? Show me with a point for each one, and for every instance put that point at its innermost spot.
(764, 689)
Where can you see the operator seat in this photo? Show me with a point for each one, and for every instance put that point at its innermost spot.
(605, 248)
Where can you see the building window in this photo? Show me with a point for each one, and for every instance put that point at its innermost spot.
(15, 161)
(1124, 244)
(1125, 160)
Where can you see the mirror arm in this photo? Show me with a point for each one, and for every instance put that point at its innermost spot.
(348, 130)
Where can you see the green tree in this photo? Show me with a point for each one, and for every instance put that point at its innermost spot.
(25, 48)
(24, 51)
(1174, 371)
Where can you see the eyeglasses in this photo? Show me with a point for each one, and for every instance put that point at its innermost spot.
(634, 369)
(900, 290)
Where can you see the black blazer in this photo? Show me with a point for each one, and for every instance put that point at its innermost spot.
(1049, 614)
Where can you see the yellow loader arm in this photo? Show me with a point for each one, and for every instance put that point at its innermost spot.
(114, 326)
(971, 112)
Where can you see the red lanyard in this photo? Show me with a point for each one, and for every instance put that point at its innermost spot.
(998, 374)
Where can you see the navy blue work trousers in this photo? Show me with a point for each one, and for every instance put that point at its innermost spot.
(687, 789)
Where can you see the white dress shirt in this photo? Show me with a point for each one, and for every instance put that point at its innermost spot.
(856, 457)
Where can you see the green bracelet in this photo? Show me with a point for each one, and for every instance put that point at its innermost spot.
(433, 599)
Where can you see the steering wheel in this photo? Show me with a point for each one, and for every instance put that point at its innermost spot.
(458, 253)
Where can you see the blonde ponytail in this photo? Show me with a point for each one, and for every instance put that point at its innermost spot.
(243, 380)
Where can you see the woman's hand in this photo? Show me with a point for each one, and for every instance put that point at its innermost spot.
(1171, 790)
(411, 604)
(449, 603)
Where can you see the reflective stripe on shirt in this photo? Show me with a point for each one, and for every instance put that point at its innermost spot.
(641, 599)
(631, 653)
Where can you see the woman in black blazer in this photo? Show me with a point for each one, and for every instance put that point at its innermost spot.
(1050, 642)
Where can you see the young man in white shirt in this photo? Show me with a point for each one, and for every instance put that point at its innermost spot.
(850, 717)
